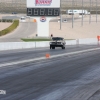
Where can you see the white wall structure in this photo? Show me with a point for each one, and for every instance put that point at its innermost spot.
(24, 45)
(43, 11)
(88, 41)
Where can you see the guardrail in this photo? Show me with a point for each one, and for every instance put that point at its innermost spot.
(23, 45)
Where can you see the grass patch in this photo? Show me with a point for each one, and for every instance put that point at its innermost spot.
(36, 39)
(39, 39)
(10, 28)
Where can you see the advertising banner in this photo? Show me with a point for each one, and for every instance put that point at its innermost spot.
(43, 3)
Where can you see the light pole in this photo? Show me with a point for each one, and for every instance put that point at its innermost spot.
(96, 11)
(60, 16)
(72, 13)
(90, 13)
(82, 14)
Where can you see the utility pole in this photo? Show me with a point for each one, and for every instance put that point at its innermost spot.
(60, 16)
(96, 12)
(82, 14)
(72, 13)
(90, 13)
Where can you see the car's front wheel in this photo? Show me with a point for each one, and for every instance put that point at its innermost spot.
(63, 47)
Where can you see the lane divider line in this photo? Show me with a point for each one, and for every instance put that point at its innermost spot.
(42, 58)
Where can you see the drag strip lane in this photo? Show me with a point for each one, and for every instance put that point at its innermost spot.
(54, 56)
(21, 55)
(54, 79)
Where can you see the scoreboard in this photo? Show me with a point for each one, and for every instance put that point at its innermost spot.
(43, 8)
(43, 11)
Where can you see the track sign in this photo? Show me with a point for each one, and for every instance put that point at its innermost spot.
(43, 2)
(42, 19)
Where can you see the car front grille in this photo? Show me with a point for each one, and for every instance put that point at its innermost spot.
(56, 42)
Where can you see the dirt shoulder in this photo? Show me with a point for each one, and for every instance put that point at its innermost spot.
(4, 25)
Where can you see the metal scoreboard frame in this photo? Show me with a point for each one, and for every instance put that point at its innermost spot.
(43, 11)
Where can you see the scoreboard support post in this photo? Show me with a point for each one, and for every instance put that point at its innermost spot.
(43, 27)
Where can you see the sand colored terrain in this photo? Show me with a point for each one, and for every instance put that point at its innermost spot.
(4, 25)
(88, 30)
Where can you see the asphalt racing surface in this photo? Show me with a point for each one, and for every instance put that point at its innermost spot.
(73, 76)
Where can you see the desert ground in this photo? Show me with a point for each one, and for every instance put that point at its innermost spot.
(4, 25)
(87, 30)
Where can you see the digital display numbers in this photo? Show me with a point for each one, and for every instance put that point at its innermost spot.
(43, 11)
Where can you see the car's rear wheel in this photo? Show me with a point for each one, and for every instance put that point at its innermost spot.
(53, 47)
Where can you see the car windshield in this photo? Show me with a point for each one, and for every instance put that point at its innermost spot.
(57, 38)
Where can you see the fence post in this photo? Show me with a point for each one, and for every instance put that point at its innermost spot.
(77, 42)
(35, 44)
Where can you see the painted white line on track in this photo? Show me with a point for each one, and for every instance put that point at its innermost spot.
(42, 58)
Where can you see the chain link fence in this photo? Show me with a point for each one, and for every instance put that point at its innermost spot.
(90, 5)
(19, 6)
(9, 6)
